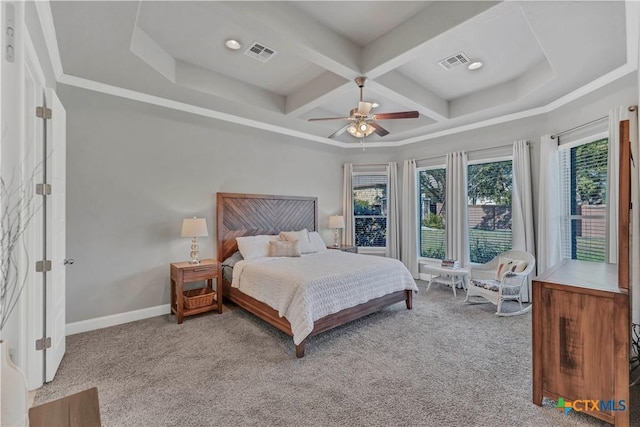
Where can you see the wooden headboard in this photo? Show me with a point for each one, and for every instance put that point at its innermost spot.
(254, 214)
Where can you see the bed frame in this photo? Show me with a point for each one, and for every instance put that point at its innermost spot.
(254, 214)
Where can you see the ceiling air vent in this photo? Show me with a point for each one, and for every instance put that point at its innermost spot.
(260, 52)
(453, 61)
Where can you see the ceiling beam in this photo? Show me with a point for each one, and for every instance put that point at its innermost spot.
(401, 45)
(405, 91)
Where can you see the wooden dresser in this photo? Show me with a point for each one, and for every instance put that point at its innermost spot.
(581, 338)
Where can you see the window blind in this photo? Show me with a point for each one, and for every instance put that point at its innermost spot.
(583, 177)
(370, 209)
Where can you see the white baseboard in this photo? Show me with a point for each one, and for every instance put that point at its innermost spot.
(116, 319)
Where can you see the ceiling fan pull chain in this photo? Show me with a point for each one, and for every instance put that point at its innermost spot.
(362, 143)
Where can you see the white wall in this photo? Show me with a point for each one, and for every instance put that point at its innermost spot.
(134, 171)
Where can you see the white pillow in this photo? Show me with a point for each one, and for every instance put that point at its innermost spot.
(317, 244)
(255, 246)
(301, 236)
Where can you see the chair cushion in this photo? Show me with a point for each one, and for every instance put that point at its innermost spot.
(492, 285)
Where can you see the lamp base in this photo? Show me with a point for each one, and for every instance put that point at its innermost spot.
(195, 253)
(336, 238)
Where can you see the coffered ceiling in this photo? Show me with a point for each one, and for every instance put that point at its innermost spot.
(535, 55)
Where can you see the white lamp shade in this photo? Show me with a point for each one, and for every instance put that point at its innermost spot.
(336, 221)
(194, 227)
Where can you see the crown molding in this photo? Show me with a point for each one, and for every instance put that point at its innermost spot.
(48, 28)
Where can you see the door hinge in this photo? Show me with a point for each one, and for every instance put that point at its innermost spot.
(43, 189)
(43, 343)
(42, 266)
(43, 112)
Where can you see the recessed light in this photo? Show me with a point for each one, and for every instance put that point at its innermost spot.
(475, 65)
(233, 44)
(375, 105)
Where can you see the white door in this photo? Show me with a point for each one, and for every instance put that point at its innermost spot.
(56, 233)
(32, 157)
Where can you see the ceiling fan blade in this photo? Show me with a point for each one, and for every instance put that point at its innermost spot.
(329, 118)
(340, 131)
(364, 108)
(379, 129)
(399, 115)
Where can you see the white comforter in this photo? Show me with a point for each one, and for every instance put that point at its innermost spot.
(310, 287)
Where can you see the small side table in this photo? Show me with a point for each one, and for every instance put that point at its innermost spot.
(345, 248)
(185, 272)
(451, 276)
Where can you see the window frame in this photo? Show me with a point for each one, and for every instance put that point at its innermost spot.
(493, 159)
(568, 218)
(419, 170)
(374, 250)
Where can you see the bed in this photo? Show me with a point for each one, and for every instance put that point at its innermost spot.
(240, 215)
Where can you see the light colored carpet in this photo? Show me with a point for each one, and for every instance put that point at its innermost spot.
(444, 363)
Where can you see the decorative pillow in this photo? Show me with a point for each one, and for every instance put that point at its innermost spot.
(255, 246)
(520, 266)
(301, 236)
(509, 265)
(284, 248)
(504, 265)
(317, 243)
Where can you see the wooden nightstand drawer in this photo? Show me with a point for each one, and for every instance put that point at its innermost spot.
(199, 273)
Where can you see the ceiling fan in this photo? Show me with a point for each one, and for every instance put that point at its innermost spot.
(362, 122)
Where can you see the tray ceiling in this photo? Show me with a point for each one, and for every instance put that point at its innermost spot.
(534, 53)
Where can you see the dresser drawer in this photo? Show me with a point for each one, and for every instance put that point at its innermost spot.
(199, 273)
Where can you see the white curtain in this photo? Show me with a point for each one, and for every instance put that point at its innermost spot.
(393, 221)
(457, 224)
(522, 205)
(409, 252)
(635, 218)
(347, 205)
(613, 166)
(549, 249)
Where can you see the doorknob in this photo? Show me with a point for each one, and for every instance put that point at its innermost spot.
(69, 261)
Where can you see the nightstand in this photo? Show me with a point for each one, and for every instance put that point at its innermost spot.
(343, 248)
(185, 272)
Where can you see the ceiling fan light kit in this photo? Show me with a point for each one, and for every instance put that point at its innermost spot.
(361, 129)
(363, 123)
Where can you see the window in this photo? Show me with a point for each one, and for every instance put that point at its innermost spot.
(489, 212)
(583, 192)
(432, 192)
(370, 209)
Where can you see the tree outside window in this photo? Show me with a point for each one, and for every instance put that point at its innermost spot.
(489, 190)
(370, 210)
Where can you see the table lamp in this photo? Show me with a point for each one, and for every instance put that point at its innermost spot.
(336, 222)
(194, 228)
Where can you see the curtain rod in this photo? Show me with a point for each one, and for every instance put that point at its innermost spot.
(370, 164)
(579, 127)
(469, 151)
(631, 108)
